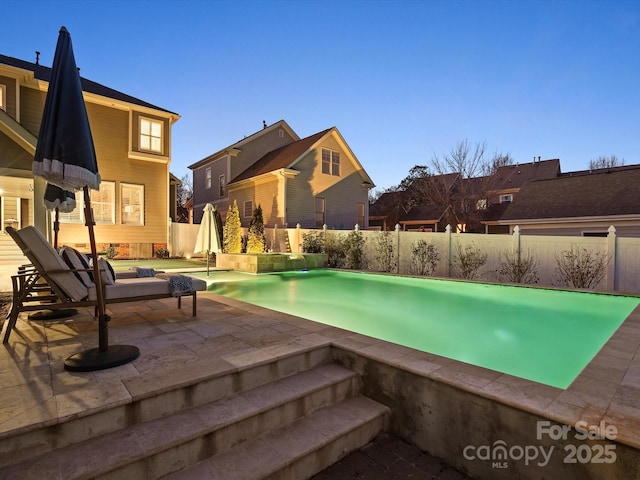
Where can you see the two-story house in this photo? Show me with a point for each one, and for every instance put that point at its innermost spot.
(132, 140)
(313, 181)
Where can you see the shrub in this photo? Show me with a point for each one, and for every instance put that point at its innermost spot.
(385, 251)
(469, 260)
(312, 242)
(334, 249)
(111, 252)
(354, 249)
(162, 253)
(424, 258)
(233, 230)
(516, 267)
(580, 268)
(256, 240)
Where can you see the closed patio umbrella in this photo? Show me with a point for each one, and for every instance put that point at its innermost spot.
(59, 200)
(208, 239)
(65, 156)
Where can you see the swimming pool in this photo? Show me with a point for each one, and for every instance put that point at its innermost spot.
(547, 336)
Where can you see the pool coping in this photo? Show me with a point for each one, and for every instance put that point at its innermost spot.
(604, 394)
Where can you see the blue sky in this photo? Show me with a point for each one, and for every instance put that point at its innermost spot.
(401, 80)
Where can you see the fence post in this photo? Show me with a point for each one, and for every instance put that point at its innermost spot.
(274, 242)
(398, 247)
(449, 251)
(611, 256)
(516, 242)
(298, 243)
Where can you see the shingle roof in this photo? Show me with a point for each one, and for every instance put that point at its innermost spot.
(426, 213)
(387, 202)
(281, 157)
(601, 193)
(514, 176)
(44, 73)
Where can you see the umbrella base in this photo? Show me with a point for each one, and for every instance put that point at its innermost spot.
(53, 314)
(94, 359)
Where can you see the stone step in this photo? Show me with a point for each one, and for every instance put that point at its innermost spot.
(155, 397)
(172, 442)
(299, 450)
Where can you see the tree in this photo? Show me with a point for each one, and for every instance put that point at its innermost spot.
(233, 230)
(185, 190)
(605, 162)
(256, 240)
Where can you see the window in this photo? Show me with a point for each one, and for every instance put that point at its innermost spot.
(221, 186)
(281, 133)
(131, 204)
(3, 97)
(150, 135)
(506, 198)
(330, 162)
(102, 204)
(319, 212)
(248, 208)
(361, 214)
(207, 175)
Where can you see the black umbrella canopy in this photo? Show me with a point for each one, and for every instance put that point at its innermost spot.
(57, 198)
(65, 154)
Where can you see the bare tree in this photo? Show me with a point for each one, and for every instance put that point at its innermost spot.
(185, 189)
(605, 162)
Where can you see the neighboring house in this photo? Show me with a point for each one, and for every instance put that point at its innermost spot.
(424, 218)
(133, 146)
(313, 181)
(385, 212)
(505, 185)
(579, 203)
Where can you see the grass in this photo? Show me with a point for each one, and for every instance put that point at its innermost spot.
(157, 263)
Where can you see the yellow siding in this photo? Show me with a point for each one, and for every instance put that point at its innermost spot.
(266, 195)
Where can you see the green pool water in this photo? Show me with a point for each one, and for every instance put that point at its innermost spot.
(547, 336)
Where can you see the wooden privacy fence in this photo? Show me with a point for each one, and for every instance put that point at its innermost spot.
(622, 275)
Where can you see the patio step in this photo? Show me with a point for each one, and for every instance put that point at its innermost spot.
(316, 400)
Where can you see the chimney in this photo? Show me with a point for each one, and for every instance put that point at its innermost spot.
(264, 124)
(37, 57)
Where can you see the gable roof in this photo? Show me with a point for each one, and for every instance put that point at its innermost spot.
(601, 193)
(424, 213)
(514, 176)
(40, 72)
(237, 145)
(281, 157)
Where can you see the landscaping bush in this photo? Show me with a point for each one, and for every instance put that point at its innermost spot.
(233, 230)
(424, 258)
(256, 240)
(469, 260)
(385, 252)
(516, 267)
(354, 249)
(160, 253)
(334, 249)
(580, 268)
(312, 242)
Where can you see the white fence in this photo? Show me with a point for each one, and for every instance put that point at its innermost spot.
(623, 274)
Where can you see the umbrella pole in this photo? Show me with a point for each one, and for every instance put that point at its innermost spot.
(56, 228)
(104, 356)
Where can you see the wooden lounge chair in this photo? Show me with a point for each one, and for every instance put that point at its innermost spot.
(68, 290)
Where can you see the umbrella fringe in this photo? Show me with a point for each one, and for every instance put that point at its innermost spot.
(69, 177)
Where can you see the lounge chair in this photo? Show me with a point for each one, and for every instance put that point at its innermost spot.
(70, 287)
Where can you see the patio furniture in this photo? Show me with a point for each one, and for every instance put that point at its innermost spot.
(72, 287)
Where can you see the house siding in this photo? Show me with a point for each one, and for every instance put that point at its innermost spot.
(10, 83)
(12, 156)
(342, 193)
(255, 149)
(203, 195)
(110, 130)
(265, 194)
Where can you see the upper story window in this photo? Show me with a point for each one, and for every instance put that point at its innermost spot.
(221, 185)
(506, 198)
(330, 162)
(131, 204)
(207, 177)
(3, 97)
(151, 135)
